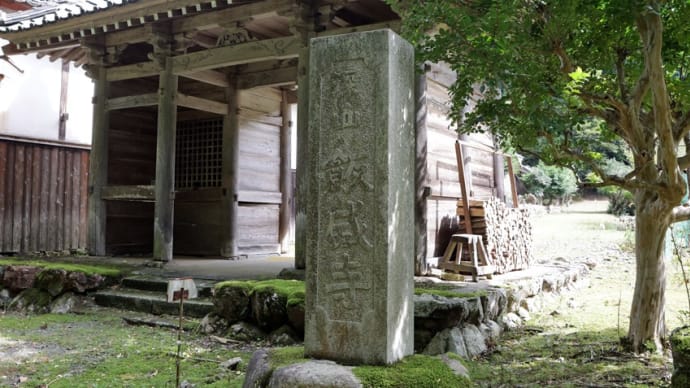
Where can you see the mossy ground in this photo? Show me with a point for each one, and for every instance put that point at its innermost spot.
(99, 350)
(88, 269)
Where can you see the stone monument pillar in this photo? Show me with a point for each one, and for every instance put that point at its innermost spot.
(360, 214)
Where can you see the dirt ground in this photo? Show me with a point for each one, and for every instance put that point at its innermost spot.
(572, 341)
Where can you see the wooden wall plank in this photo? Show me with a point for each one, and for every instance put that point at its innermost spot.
(52, 201)
(3, 189)
(26, 216)
(19, 195)
(83, 199)
(9, 198)
(35, 198)
(43, 213)
(74, 197)
(61, 223)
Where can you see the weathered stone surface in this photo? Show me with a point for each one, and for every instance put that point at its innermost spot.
(361, 192)
(437, 313)
(19, 277)
(493, 303)
(243, 331)
(474, 310)
(232, 303)
(438, 344)
(81, 282)
(511, 321)
(475, 342)
(491, 330)
(283, 336)
(456, 343)
(268, 309)
(292, 274)
(51, 281)
(31, 300)
(314, 374)
(5, 296)
(258, 370)
(232, 363)
(65, 303)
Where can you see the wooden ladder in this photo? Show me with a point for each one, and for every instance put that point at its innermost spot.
(478, 263)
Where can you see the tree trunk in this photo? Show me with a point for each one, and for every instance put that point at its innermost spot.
(652, 219)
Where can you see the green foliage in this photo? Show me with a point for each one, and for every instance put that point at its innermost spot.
(414, 371)
(551, 182)
(621, 202)
(103, 270)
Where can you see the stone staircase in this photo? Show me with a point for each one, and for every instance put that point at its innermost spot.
(148, 295)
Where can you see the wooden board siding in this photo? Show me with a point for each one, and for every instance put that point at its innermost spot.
(129, 227)
(260, 125)
(43, 196)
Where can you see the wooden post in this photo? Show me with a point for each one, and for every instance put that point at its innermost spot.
(64, 84)
(165, 165)
(421, 189)
(230, 174)
(513, 188)
(285, 174)
(98, 164)
(499, 176)
(463, 187)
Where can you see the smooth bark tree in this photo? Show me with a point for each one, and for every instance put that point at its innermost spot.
(538, 72)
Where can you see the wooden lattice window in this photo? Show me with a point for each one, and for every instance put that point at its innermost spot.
(199, 153)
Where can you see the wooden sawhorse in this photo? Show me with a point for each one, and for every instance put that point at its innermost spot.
(478, 265)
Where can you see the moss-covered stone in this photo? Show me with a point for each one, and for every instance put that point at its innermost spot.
(88, 269)
(680, 348)
(51, 281)
(413, 371)
(32, 300)
(448, 292)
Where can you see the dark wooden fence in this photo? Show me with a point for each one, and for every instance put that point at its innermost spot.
(43, 196)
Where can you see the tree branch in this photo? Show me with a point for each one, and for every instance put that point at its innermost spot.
(680, 213)
(621, 55)
(682, 127)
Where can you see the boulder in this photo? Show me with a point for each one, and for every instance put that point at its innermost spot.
(493, 304)
(456, 343)
(258, 371)
(438, 344)
(19, 277)
(269, 309)
(475, 342)
(433, 312)
(283, 336)
(52, 281)
(455, 365)
(314, 374)
(243, 331)
(212, 323)
(232, 303)
(295, 316)
(32, 300)
(81, 282)
(511, 321)
(65, 303)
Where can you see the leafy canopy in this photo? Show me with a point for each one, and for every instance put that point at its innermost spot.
(545, 75)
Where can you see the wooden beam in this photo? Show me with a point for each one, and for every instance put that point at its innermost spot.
(276, 77)
(165, 165)
(98, 165)
(230, 173)
(128, 193)
(269, 197)
(137, 70)
(513, 186)
(232, 15)
(285, 175)
(211, 77)
(128, 36)
(149, 99)
(463, 187)
(263, 50)
(202, 104)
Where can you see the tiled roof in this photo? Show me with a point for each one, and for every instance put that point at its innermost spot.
(50, 11)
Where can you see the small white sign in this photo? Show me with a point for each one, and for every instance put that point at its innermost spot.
(181, 288)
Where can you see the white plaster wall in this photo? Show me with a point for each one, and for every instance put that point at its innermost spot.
(30, 102)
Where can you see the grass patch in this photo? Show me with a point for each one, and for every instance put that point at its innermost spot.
(69, 267)
(287, 355)
(100, 350)
(449, 292)
(413, 371)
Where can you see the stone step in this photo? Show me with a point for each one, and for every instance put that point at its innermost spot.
(150, 283)
(151, 302)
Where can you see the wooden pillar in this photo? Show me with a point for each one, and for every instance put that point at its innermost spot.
(165, 165)
(421, 188)
(302, 155)
(230, 174)
(285, 174)
(98, 163)
(499, 177)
